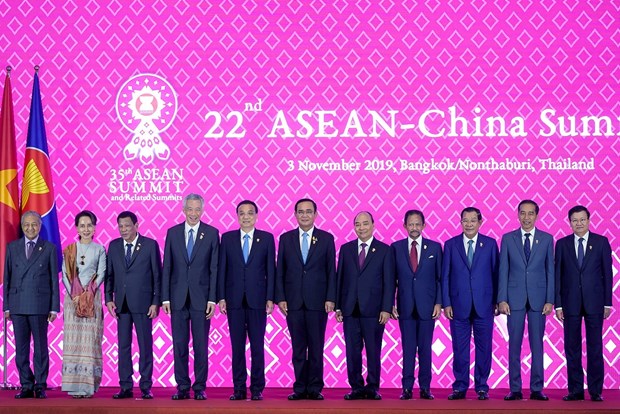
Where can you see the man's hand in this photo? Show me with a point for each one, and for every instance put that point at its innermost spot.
(384, 317)
(547, 309)
(283, 307)
(269, 307)
(606, 313)
(436, 311)
(447, 311)
(339, 317)
(329, 306)
(559, 313)
(166, 308)
(112, 309)
(153, 311)
(7, 315)
(210, 310)
(394, 314)
(504, 308)
(222, 306)
(51, 317)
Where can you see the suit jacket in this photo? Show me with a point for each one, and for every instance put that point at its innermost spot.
(140, 283)
(420, 290)
(255, 279)
(195, 276)
(590, 285)
(372, 286)
(520, 280)
(310, 284)
(31, 286)
(464, 288)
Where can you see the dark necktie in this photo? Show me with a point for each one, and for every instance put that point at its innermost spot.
(527, 249)
(470, 252)
(128, 254)
(190, 242)
(362, 256)
(580, 252)
(29, 249)
(413, 256)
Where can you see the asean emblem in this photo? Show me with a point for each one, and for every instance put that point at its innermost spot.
(146, 105)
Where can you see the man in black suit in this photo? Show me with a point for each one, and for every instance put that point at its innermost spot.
(30, 301)
(132, 295)
(365, 297)
(246, 279)
(189, 293)
(306, 293)
(418, 276)
(583, 291)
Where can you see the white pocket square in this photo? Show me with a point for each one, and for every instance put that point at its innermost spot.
(431, 256)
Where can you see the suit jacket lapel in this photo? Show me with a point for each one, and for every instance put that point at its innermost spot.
(311, 245)
(35, 252)
(587, 251)
(516, 237)
(136, 250)
(255, 241)
(461, 248)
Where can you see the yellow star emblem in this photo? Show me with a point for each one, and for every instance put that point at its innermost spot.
(6, 176)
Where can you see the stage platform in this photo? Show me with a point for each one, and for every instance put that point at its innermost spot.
(275, 401)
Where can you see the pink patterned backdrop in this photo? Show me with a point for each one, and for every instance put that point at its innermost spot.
(502, 59)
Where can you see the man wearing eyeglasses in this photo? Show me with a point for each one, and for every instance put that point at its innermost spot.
(306, 293)
(583, 291)
(469, 289)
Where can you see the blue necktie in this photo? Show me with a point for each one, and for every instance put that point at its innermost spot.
(246, 247)
(190, 242)
(470, 252)
(527, 249)
(304, 246)
(580, 252)
(128, 254)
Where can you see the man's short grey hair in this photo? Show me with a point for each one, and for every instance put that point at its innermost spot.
(193, 196)
(31, 213)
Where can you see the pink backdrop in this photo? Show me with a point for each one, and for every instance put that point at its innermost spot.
(512, 60)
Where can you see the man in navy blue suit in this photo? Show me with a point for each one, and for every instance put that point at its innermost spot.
(133, 296)
(246, 280)
(189, 293)
(31, 301)
(583, 291)
(418, 275)
(306, 293)
(365, 296)
(469, 289)
(526, 288)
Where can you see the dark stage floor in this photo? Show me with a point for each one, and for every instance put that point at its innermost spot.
(275, 401)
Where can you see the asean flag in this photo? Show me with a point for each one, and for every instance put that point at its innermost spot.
(37, 187)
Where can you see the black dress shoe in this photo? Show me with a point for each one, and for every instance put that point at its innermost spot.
(373, 395)
(514, 396)
(40, 394)
(406, 394)
(181, 395)
(574, 397)
(355, 395)
(122, 394)
(426, 395)
(596, 397)
(238, 396)
(539, 396)
(257, 396)
(297, 396)
(200, 395)
(317, 396)
(457, 395)
(483, 395)
(147, 395)
(24, 394)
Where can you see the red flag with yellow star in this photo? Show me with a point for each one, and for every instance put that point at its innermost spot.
(9, 201)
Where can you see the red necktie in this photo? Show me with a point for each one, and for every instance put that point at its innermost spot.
(413, 256)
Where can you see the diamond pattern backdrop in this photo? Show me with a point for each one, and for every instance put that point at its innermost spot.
(507, 59)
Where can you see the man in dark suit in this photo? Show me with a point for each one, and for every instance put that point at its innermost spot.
(418, 275)
(365, 296)
(306, 293)
(189, 292)
(246, 281)
(583, 291)
(526, 287)
(132, 295)
(30, 301)
(469, 289)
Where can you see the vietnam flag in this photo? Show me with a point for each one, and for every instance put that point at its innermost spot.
(37, 188)
(9, 207)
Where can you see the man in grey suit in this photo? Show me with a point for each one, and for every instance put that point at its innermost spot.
(526, 287)
(188, 293)
(30, 301)
(133, 295)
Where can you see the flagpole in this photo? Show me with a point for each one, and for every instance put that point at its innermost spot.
(5, 384)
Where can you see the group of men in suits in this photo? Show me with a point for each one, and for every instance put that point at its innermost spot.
(471, 279)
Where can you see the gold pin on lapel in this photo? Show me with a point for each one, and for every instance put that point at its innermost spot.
(314, 240)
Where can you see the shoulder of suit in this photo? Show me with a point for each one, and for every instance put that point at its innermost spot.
(262, 233)
(487, 239)
(207, 227)
(379, 244)
(430, 242)
(322, 233)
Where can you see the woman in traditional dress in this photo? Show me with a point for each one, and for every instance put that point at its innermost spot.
(83, 271)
